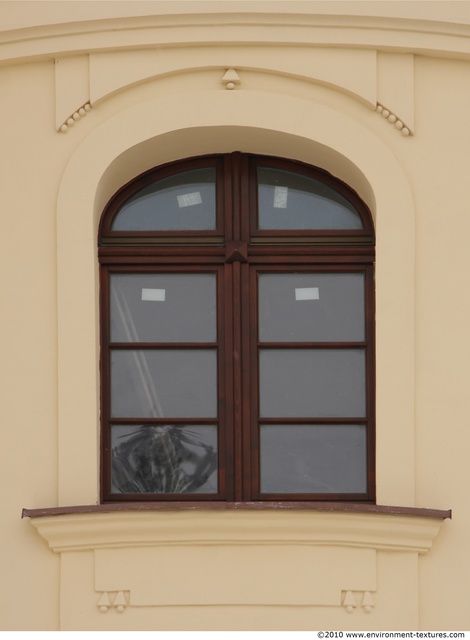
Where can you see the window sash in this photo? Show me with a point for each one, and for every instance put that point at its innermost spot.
(238, 254)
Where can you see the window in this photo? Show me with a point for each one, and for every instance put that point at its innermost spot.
(237, 328)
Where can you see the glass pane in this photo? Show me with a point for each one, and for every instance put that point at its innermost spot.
(313, 459)
(164, 459)
(303, 383)
(163, 307)
(157, 383)
(311, 307)
(288, 200)
(182, 202)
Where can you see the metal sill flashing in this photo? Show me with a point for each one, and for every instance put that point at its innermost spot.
(342, 507)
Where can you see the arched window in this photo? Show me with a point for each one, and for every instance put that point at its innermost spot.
(237, 329)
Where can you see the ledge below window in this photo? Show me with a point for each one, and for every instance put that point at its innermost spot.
(142, 524)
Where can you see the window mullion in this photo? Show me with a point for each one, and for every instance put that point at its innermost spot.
(237, 382)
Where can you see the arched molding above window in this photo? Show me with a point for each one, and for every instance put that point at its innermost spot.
(370, 77)
(196, 124)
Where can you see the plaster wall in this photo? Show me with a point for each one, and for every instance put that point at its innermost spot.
(54, 185)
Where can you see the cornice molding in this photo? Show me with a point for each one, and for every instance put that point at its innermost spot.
(88, 531)
(263, 27)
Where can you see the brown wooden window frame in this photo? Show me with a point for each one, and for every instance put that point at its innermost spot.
(236, 250)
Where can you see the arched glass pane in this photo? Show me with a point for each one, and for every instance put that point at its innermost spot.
(185, 202)
(290, 201)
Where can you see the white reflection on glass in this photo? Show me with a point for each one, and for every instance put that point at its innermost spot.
(311, 204)
(189, 312)
(311, 307)
(185, 201)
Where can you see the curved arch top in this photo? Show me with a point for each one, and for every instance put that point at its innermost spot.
(182, 198)
(201, 123)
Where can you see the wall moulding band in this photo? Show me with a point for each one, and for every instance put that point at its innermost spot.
(100, 30)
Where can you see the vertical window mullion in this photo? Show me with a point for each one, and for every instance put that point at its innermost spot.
(247, 379)
(252, 442)
(237, 382)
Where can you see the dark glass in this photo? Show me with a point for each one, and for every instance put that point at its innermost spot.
(164, 458)
(313, 458)
(287, 200)
(312, 383)
(163, 307)
(156, 383)
(311, 307)
(184, 202)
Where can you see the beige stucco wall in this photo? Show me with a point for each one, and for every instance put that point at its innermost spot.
(151, 104)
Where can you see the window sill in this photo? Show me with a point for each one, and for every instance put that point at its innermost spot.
(142, 524)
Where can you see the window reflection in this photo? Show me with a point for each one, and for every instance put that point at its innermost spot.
(164, 459)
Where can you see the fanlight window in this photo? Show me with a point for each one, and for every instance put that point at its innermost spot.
(287, 200)
(237, 323)
(182, 202)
